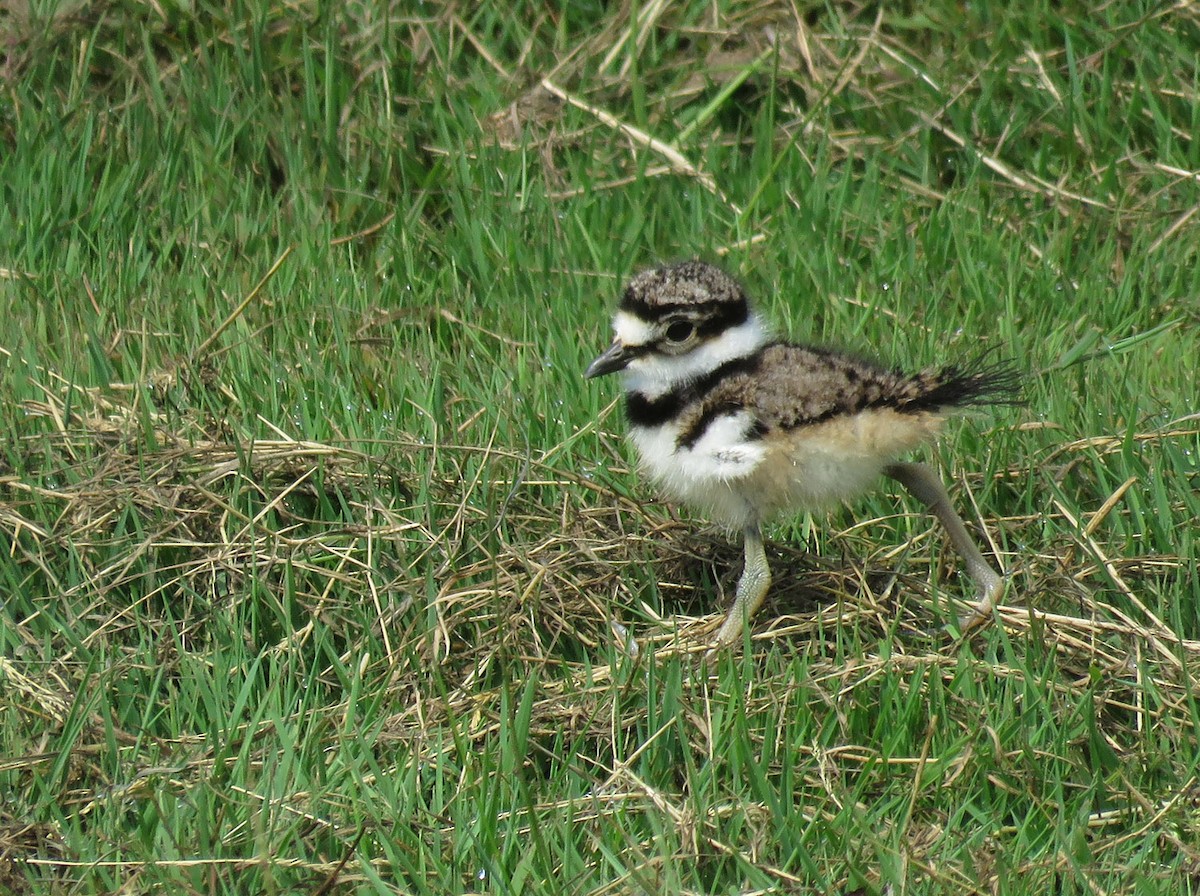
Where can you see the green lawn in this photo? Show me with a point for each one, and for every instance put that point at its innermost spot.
(314, 536)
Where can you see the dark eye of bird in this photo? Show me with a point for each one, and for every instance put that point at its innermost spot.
(680, 331)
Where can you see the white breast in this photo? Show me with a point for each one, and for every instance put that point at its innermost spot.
(708, 473)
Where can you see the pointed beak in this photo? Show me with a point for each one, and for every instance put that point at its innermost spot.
(614, 358)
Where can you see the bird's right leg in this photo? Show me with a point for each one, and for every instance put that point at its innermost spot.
(751, 589)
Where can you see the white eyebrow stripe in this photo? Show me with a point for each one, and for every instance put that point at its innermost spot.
(631, 330)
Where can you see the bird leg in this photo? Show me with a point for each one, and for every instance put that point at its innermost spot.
(751, 589)
(928, 488)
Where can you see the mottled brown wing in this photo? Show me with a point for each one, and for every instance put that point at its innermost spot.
(796, 386)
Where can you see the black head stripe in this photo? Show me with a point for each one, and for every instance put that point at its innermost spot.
(637, 305)
(710, 317)
(722, 317)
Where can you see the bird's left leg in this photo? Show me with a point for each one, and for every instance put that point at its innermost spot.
(926, 486)
(751, 589)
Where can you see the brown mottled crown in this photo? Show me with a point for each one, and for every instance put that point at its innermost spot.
(691, 287)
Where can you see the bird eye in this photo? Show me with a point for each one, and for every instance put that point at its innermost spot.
(680, 331)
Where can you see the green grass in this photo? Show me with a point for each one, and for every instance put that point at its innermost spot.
(309, 570)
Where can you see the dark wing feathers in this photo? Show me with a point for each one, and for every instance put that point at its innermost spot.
(980, 382)
(791, 386)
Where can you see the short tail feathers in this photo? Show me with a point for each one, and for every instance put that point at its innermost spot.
(978, 383)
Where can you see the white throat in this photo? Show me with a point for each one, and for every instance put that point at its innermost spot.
(655, 375)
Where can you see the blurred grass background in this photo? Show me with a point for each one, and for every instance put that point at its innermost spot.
(314, 534)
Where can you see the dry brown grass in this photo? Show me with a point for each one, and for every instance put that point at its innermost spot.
(540, 586)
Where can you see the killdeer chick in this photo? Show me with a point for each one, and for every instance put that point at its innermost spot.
(742, 426)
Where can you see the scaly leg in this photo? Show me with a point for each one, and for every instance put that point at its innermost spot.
(928, 488)
(751, 589)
